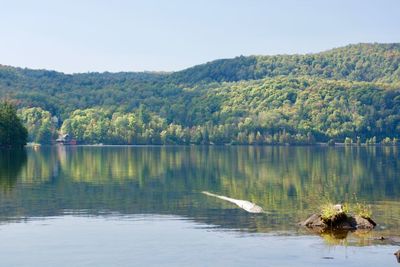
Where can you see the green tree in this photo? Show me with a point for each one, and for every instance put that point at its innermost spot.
(39, 123)
(12, 132)
(348, 141)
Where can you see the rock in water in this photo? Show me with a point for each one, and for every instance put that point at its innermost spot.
(340, 221)
(364, 223)
(314, 221)
(397, 254)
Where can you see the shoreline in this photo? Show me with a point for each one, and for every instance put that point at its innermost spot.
(214, 145)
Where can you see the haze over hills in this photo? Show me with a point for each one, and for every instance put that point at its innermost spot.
(353, 91)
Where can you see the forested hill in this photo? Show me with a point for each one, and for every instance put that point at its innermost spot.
(361, 62)
(352, 92)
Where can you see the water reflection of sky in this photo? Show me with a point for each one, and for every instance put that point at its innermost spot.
(147, 240)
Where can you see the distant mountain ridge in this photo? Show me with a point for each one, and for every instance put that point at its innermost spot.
(358, 62)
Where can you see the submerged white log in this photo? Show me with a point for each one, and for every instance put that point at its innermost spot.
(244, 204)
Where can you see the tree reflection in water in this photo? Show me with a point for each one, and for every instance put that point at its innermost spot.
(288, 182)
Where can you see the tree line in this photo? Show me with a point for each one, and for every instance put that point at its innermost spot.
(279, 110)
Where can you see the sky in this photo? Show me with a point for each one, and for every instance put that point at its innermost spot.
(120, 35)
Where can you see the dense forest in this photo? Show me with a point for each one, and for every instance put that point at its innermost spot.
(349, 94)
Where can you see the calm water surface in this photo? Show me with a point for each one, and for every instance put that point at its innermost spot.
(143, 206)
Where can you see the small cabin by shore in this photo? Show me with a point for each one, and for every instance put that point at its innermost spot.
(65, 139)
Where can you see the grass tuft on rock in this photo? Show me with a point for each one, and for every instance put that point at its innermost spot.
(330, 211)
(363, 210)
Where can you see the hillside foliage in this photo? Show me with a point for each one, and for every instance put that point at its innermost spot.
(350, 92)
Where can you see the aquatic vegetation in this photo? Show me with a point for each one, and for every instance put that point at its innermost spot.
(329, 211)
(363, 210)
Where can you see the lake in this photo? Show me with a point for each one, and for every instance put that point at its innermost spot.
(143, 206)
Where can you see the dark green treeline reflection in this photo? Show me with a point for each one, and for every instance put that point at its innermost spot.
(11, 163)
(288, 182)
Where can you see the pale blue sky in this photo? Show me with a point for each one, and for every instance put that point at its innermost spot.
(117, 35)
